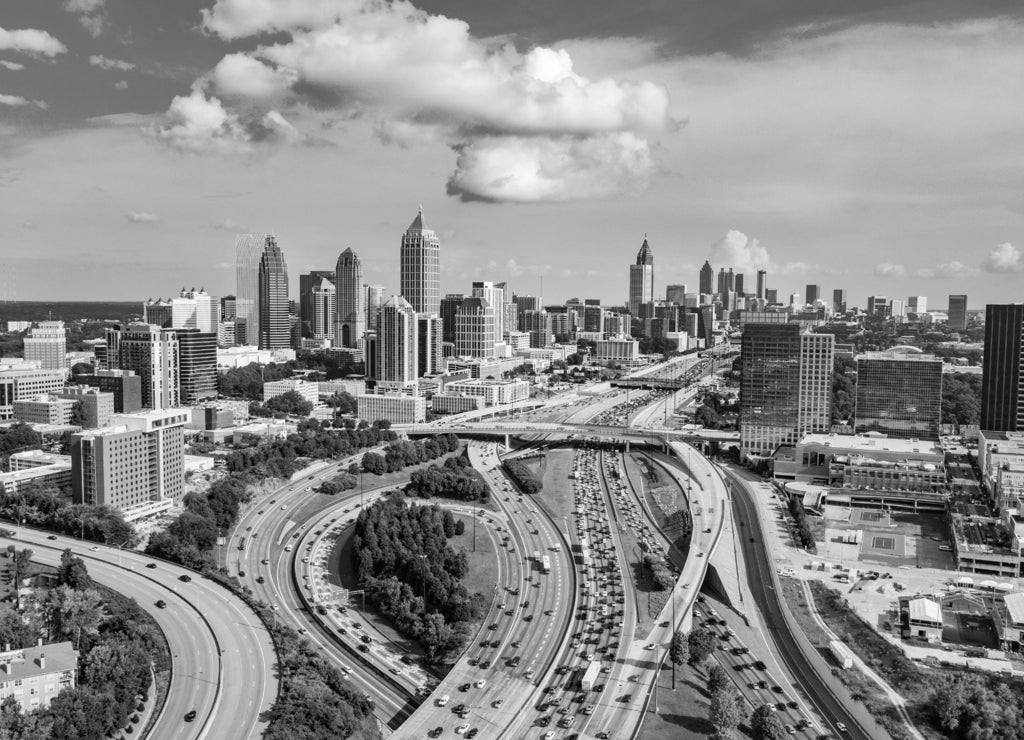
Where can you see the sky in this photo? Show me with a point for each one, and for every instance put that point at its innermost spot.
(872, 145)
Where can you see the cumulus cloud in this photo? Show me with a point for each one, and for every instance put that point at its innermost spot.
(740, 252)
(16, 101)
(229, 224)
(121, 85)
(13, 66)
(141, 217)
(98, 60)
(525, 126)
(31, 41)
(1005, 258)
(945, 270)
(890, 269)
(90, 14)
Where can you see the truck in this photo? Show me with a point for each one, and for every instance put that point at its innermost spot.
(841, 653)
(545, 564)
(590, 676)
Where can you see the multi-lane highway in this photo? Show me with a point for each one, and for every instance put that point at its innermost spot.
(222, 659)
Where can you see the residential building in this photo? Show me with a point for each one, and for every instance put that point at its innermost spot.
(540, 327)
(20, 382)
(957, 313)
(197, 365)
(322, 305)
(274, 322)
(707, 279)
(1002, 385)
(46, 344)
(33, 676)
(158, 313)
(153, 354)
(786, 386)
(135, 465)
(899, 394)
(195, 309)
(429, 354)
(475, 328)
(397, 342)
(398, 408)
(97, 406)
(420, 267)
(351, 316)
(917, 304)
(124, 385)
(308, 283)
(641, 279)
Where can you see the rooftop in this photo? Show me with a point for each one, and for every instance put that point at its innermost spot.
(925, 610)
(1015, 607)
(25, 663)
(866, 445)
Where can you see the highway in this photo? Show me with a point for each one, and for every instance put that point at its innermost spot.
(222, 658)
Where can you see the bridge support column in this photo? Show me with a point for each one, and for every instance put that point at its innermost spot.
(508, 442)
(627, 446)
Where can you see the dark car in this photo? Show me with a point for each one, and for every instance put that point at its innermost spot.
(436, 732)
(150, 565)
(161, 604)
(366, 639)
(190, 715)
(406, 659)
(51, 537)
(472, 733)
(185, 577)
(485, 664)
(364, 648)
(259, 579)
(465, 687)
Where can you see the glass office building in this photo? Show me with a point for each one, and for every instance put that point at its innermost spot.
(899, 394)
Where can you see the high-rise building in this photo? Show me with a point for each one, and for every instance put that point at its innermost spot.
(771, 295)
(839, 301)
(878, 305)
(158, 312)
(917, 304)
(397, 343)
(248, 251)
(197, 365)
(811, 294)
(675, 294)
(153, 354)
(125, 386)
(420, 267)
(308, 283)
(195, 309)
(762, 283)
(738, 284)
(374, 300)
(228, 308)
(46, 344)
(1002, 383)
(323, 310)
(475, 331)
(786, 386)
(523, 304)
(429, 356)
(539, 326)
(897, 308)
(97, 405)
(135, 465)
(957, 314)
(275, 326)
(641, 279)
(495, 297)
(899, 394)
(351, 324)
(593, 317)
(707, 279)
(449, 306)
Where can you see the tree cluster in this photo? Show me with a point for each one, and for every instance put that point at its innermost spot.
(961, 398)
(969, 707)
(766, 725)
(701, 644)
(247, 382)
(803, 528)
(287, 403)
(454, 479)
(724, 712)
(661, 576)
(413, 575)
(18, 437)
(43, 506)
(403, 453)
(343, 403)
(329, 365)
(343, 481)
(523, 476)
(844, 389)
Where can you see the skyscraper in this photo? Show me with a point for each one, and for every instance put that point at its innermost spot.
(707, 279)
(957, 313)
(420, 267)
(351, 323)
(47, 344)
(195, 309)
(429, 356)
(786, 386)
(539, 325)
(917, 304)
(397, 343)
(1002, 389)
(475, 328)
(153, 354)
(878, 305)
(675, 294)
(248, 250)
(449, 306)
(738, 284)
(811, 294)
(374, 300)
(308, 283)
(197, 365)
(899, 394)
(839, 301)
(275, 326)
(762, 281)
(641, 279)
(158, 312)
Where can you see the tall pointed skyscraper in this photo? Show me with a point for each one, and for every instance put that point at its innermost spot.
(420, 267)
(707, 279)
(351, 300)
(274, 322)
(641, 279)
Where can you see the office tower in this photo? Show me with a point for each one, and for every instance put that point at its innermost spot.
(957, 313)
(495, 297)
(523, 304)
(22, 382)
(374, 300)
(475, 328)
(641, 279)
(158, 312)
(46, 344)
(124, 385)
(274, 325)
(897, 308)
(135, 465)
(899, 394)
(449, 306)
(97, 405)
(429, 354)
(1002, 389)
(839, 301)
(738, 284)
(771, 295)
(707, 277)
(539, 326)
(762, 281)
(397, 341)
(593, 318)
(323, 305)
(153, 354)
(195, 309)
(227, 308)
(197, 365)
(248, 251)
(560, 325)
(420, 267)
(308, 283)
(917, 304)
(811, 294)
(794, 300)
(786, 386)
(675, 294)
(878, 305)
(348, 281)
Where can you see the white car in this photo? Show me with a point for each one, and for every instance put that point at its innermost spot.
(461, 729)
(481, 683)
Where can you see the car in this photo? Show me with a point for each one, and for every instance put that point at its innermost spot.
(485, 664)
(436, 732)
(777, 689)
(161, 604)
(283, 507)
(190, 715)
(472, 733)
(649, 646)
(301, 630)
(364, 648)
(792, 704)
(395, 670)
(465, 687)
(493, 626)
(259, 579)
(474, 661)
(241, 574)
(265, 561)
(185, 577)
(516, 643)
(260, 511)
(790, 730)
(497, 703)
(461, 729)
(366, 639)
(760, 665)
(528, 618)
(94, 549)
(407, 659)
(481, 683)
(549, 734)
(151, 565)
(840, 726)
(51, 537)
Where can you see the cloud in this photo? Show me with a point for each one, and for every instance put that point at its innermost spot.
(889, 269)
(945, 270)
(740, 252)
(1003, 259)
(84, 6)
(17, 101)
(31, 41)
(98, 60)
(90, 14)
(141, 217)
(121, 85)
(13, 66)
(229, 224)
(525, 126)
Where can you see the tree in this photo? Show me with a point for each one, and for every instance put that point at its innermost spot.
(702, 644)
(73, 615)
(717, 678)
(290, 403)
(709, 418)
(679, 650)
(766, 725)
(373, 463)
(725, 708)
(72, 572)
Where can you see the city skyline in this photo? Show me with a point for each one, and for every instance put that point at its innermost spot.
(907, 169)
